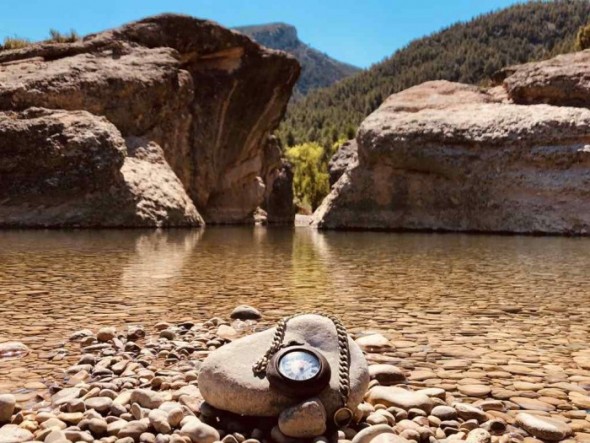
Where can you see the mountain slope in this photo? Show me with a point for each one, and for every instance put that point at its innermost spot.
(318, 69)
(466, 52)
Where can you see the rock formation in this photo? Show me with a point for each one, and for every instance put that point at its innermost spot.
(451, 157)
(227, 382)
(561, 81)
(181, 106)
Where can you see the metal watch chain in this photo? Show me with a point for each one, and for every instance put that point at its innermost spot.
(259, 368)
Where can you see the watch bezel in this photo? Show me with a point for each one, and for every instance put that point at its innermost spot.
(298, 388)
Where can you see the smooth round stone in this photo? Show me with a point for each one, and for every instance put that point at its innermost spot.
(175, 416)
(226, 380)
(14, 434)
(133, 429)
(387, 375)
(398, 397)
(389, 438)
(372, 342)
(13, 349)
(479, 436)
(146, 398)
(367, 435)
(97, 426)
(7, 405)
(304, 420)
(106, 334)
(100, 404)
(527, 386)
(581, 401)
(531, 404)
(226, 332)
(474, 390)
(444, 412)
(469, 412)
(199, 432)
(159, 421)
(544, 427)
(245, 312)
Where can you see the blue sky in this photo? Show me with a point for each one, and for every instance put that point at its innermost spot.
(361, 32)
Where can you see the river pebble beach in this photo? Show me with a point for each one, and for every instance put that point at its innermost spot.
(131, 385)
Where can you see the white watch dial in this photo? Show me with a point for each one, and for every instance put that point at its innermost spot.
(299, 365)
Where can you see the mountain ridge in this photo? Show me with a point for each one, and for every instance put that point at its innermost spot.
(318, 69)
(466, 52)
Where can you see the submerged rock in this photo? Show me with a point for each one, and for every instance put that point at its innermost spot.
(227, 382)
(181, 109)
(13, 349)
(245, 312)
(448, 157)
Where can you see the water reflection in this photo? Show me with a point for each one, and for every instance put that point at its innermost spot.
(159, 255)
(429, 288)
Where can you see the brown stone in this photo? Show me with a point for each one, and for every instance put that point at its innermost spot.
(213, 97)
(447, 157)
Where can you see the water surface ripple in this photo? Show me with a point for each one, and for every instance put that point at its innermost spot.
(439, 296)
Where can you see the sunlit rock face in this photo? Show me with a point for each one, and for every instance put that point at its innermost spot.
(206, 96)
(449, 157)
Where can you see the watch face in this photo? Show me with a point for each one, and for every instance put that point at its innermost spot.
(299, 365)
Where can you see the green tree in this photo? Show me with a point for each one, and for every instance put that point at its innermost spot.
(310, 181)
(583, 40)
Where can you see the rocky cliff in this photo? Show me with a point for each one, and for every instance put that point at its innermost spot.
(150, 124)
(445, 156)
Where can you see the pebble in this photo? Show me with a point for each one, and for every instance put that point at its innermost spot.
(444, 412)
(469, 412)
(14, 434)
(146, 392)
(387, 375)
(7, 406)
(146, 398)
(401, 398)
(200, 432)
(544, 427)
(304, 420)
(100, 404)
(372, 342)
(367, 435)
(245, 312)
(475, 390)
(159, 421)
(106, 334)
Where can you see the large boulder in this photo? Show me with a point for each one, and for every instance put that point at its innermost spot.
(208, 97)
(449, 157)
(344, 157)
(74, 169)
(563, 81)
(227, 382)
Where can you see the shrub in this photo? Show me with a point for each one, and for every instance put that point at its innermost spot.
(58, 37)
(310, 181)
(14, 43)
(583, 40)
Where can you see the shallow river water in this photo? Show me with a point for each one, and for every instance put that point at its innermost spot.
(502, 302)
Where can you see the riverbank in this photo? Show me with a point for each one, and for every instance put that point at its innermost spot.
(132, 385)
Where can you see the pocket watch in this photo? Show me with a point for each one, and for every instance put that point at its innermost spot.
(298, 371)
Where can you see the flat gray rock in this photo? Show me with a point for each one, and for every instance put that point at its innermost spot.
(227, 382)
